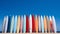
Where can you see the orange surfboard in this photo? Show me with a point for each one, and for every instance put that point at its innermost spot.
(36, 24)
(45, 24)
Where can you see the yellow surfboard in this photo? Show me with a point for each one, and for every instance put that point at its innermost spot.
(18, 24)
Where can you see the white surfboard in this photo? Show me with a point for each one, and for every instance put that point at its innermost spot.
(39, 23)
(42, 24)
(5, 24)
(12, 24)
(54, 24)
(24, 30)
(30, 23)
(15, 24)
(21, 27)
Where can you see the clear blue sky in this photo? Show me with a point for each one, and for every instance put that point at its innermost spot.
(21, 7)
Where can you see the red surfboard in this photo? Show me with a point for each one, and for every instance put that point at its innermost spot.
(33, 24)
(51, 26)
(27, 24)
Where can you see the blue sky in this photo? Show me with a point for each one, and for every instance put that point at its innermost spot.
(21, 7)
